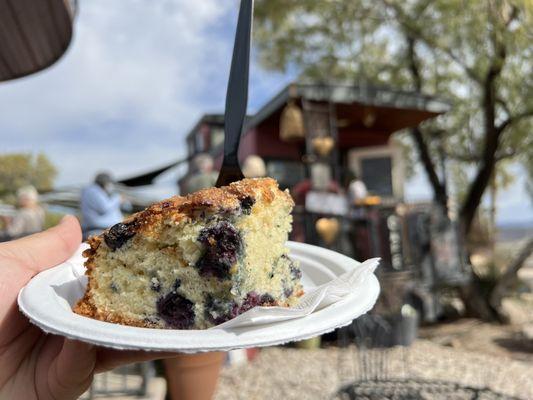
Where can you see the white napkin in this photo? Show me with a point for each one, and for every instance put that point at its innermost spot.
(317, 298)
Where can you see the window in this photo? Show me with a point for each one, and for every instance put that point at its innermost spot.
(381, 169)
(200, 141)
(287, 173)
(376, 173)
(190, 144)
(217, 137)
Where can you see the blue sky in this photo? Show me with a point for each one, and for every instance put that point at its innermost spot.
(135, 79)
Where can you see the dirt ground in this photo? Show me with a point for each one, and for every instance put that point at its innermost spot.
(480, 337)
(287, 373)
(466, 351)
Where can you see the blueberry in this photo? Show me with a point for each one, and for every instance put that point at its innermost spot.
(113, 286)
(246, 205)
(267, 299)
(176, 285)
(151, 320)
(254, 300)
(218, 311)
(222, 243)
(176, 310)
(155, 285)
(166, 204)
(119, 234)
(287, 291)
(296, 272)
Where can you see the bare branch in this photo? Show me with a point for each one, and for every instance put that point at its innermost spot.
(514, 119)
(503, 105)
(413, 63)
(510, 153)
(417, 34)
(439, 187)
(472, 158)
(449, 52)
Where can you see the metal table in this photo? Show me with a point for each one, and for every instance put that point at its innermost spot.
(414, 389)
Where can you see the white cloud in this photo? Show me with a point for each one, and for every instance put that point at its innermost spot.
(137, 76)
(148, 67)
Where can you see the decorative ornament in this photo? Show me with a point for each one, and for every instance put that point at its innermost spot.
(291, 125)
(369, 117)
(369, 201)
(328, 229)
(323, 145)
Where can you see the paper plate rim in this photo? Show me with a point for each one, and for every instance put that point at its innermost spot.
(191, 341)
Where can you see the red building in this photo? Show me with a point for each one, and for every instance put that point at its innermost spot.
(358, 120)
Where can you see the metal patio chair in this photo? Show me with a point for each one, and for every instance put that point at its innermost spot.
(369, 374)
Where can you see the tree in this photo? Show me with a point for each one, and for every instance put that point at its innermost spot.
(21, 169)
(477, 54)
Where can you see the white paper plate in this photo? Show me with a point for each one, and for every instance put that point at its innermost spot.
(49, 296)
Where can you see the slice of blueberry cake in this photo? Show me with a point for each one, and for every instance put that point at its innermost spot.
(194, 262)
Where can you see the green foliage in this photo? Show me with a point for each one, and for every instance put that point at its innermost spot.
(52, 219)
(17, 170)
(447, 48)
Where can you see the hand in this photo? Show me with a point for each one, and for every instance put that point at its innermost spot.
(33, 364)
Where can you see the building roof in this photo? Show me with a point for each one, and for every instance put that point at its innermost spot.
(211, 119)
(348, 94)
(340, 94)
(405, 108)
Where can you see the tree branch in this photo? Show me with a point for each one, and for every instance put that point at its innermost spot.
(492, 133)
(503, 104)
(464, 157)
(439, 188)
(449, 52)
(513, 119)
(415, 33)
(473, 158)
(441, 197)
(509, 276)
(510, 153)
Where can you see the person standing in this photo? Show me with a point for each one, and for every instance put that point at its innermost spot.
(357, 191)
(29, 217)
(100, 205)
(204, 175)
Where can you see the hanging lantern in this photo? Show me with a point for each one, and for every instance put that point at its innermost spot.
(327, 229)
(369, 117)
(323, 145)
(291, 126)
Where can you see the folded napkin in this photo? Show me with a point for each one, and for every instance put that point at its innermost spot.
(315, 299)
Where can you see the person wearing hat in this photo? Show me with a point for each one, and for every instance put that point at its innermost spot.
(100, 205)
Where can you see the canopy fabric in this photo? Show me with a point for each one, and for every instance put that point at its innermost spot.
(147, 178)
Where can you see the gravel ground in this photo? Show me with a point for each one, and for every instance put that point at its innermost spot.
(509, 341)
(286, 373)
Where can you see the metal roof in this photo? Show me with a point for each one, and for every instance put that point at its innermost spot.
(340, 94)
(211, 119)
(349, 94)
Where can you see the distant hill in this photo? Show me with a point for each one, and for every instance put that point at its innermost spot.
(512, 231)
